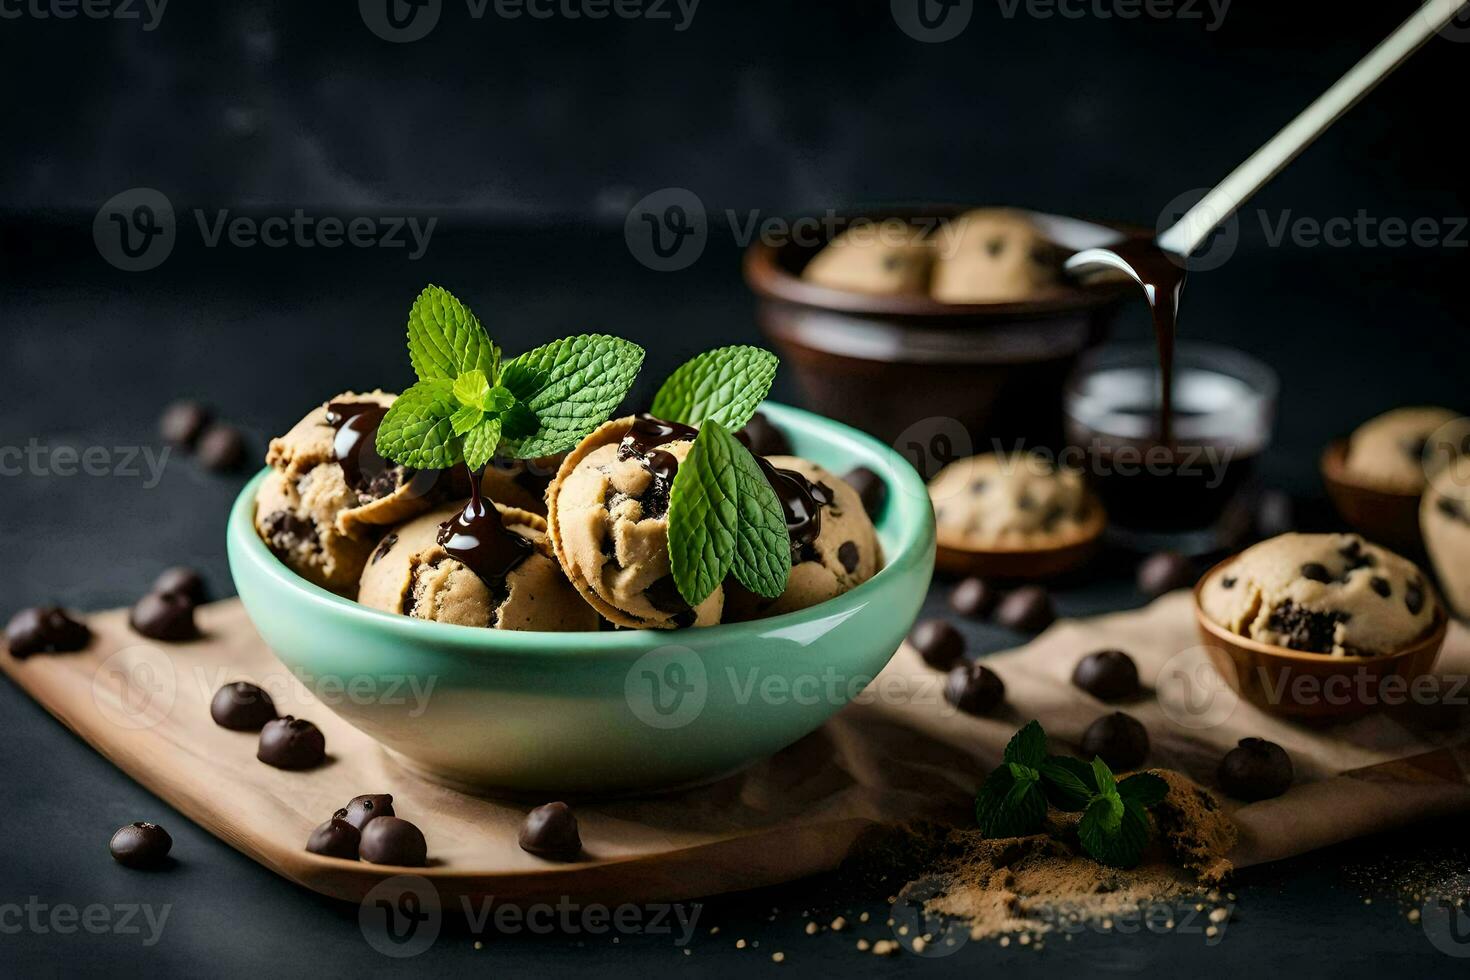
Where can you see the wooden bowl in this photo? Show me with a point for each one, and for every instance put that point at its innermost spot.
(1016, 562)
(1383, 516)
(1294, 684)
(888, 363)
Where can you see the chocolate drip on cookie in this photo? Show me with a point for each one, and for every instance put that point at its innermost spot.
(477, 538)
(644, 436)
(355, 449)
(801, 502)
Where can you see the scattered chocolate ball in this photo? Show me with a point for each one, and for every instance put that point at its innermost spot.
(550, 832)
(1121, 741)
(939, 643)
(1255, 770)
(1165, 572)
(221, 448)
(291, 743)
(182, 422)
(140, 845)
(183, 581)
(974, 688)
(1108, 675)
(973, 597)
(45, 630)
(393, 840)
(1275, 515)
(335, 838)
(166, 616)
(1026, 610)
(242, 707)
(361, 809)
(871, 489)
(762, 438)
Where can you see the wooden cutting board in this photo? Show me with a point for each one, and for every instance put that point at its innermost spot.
(145, 706)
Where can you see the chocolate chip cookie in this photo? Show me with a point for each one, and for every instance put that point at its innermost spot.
(1019, 501)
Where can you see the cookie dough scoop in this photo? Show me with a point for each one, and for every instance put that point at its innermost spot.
(607, 511)
(515, 585)
(834, 546)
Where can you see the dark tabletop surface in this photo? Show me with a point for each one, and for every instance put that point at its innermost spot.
(94, 353)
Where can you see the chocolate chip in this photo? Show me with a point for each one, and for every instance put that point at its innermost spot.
(182, 422)
(393, 840)
(1026, 610)
(1451, 508)
(550, 832)
(848, 554)
(384, 546)
(140, 845)
(291, 743)
(1381, 586)
(1121, 741)
(973, 597)
(1414, 597)
(1108, 675)
(939, 643)
(45, 630)
(336, 838)
(1315, 571)
(166, 616)
(762, 438)
(995, 246)
(1304, 629)
(891, 262)
(871, 489)
(1227, 582)
(242, 707)
(978, 486)
(974, 689)
(1164, 572)
(183, 581)
(1255, 770)
(362, 809)
(664, 596)
(221, 448)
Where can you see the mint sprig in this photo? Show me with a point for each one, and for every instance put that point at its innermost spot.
(703, 514)
(762, 558)
(469, 407)
(726, 385)
(1114, 828)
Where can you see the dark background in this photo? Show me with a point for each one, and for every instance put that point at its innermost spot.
(528, 141)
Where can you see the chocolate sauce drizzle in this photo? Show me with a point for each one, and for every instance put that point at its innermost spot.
(355, 448)
(644, 437)
(801, 502)
(477, 538)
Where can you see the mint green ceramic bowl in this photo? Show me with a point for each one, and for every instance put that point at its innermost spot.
(600, 713)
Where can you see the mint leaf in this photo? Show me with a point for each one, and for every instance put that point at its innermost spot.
(1114, 832)
(480, 443)
(726, 384)
(1009, 807)
(445, 340)
(1143, 788)
(465, 418)
(571, 386)
(703, 515)
(1068, 783)
(472, 388)
(417, 431)
(1102, 776)
(1027, 746)
(762, 561)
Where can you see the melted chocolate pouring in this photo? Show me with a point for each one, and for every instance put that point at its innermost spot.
(355, 449)
(1162, 275)
(802, 502)
(477, 538)
(644, 437)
